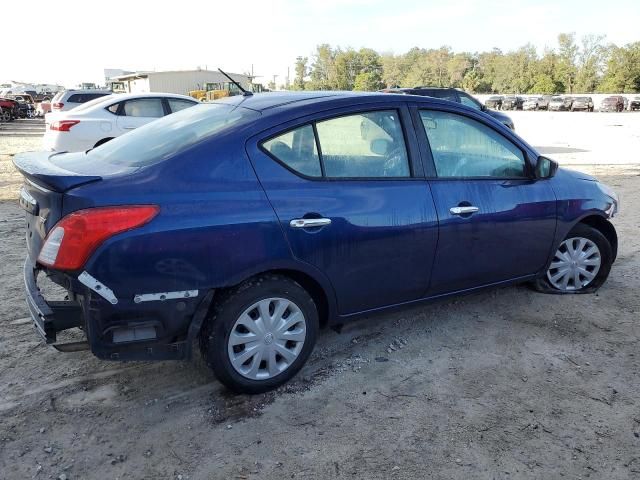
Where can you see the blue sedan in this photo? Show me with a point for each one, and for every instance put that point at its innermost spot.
(249, 223)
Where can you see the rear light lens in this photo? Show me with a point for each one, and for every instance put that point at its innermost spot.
(63, 125)
(73, 239)
(57, 105)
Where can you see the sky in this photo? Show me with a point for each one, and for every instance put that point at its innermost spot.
(82, 38)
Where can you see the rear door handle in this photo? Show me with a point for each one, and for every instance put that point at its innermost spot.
(309, 222)
(463, 210)
(128, 128)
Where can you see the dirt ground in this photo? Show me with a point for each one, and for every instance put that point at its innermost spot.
(503, 384)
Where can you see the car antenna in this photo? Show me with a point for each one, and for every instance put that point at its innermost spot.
(245, 93)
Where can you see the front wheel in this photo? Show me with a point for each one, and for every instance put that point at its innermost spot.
(260, 334)
(581, 263)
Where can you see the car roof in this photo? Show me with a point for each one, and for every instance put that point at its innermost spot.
(269, 100)
(127, 96)
(86, 90)
(293, 104)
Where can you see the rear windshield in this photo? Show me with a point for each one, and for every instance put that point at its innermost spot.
(163, 138)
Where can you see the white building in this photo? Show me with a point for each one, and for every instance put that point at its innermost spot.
(180, 81)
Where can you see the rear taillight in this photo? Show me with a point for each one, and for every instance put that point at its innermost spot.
(63, 125)
(74, 238)
(57, 105)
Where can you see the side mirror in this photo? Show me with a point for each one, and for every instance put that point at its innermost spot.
(545, 167)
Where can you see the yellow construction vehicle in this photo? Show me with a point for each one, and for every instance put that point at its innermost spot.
(214, 90)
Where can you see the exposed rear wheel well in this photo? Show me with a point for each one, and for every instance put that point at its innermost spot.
(313, 288)
(605, 228)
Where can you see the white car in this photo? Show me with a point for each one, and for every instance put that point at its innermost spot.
(102, 119)
(68, 99)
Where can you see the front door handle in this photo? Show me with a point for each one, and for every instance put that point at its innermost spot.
(463, 210)
(309, 222)
(129, 128)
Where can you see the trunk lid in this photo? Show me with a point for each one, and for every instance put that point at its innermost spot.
(42, 194)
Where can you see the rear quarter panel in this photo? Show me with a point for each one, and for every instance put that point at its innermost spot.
(215, 225)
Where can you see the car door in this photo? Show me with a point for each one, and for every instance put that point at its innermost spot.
(139, 111)
(497, 222)
(349, 191)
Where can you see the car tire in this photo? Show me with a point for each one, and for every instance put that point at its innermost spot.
(236, 324)
(5, 115)
(585, 255)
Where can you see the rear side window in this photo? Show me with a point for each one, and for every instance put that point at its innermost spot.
(144, 107)
(468, 101)
(364, 145)
(175, 104)
(297, 150)
(463, 147)
(114, 108)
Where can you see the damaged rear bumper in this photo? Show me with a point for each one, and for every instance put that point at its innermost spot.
(49, 317)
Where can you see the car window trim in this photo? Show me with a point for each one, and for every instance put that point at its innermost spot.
(430, 168)
(311, 120)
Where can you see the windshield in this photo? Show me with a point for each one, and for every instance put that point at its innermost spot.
(163, 138)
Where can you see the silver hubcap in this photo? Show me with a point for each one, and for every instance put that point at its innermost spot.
(267, 338)
(575, 264)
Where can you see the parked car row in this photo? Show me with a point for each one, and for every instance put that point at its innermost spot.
(614, 103)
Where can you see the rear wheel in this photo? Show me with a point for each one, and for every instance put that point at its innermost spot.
(260, 334)
(5, 115)
(581, 263)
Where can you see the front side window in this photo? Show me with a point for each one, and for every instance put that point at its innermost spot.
(144, 107)
(366, 145)
(297, 150)
(463, 147)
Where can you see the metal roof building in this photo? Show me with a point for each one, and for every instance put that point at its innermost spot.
(178, 81)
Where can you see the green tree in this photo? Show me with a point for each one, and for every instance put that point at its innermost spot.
(623, 70)
(543, 83)
(566, 66)
(323, 72)
(301, 73)
(590, 63)
(368, 81)
(394, 70)
(457, 67)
